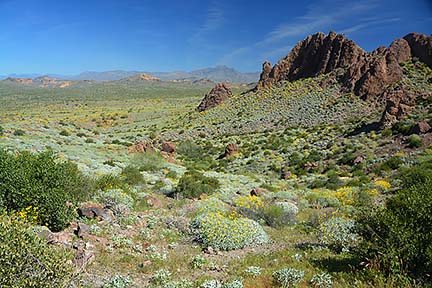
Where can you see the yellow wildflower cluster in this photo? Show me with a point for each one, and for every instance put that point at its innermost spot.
(249, 202)
(373, 192)
(30, 214)
(344, 195)
(383, 184)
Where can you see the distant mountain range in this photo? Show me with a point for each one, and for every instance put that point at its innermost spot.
(216, 74)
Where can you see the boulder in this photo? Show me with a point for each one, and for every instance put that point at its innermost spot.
(141, 147)
(230, 150)
(421, 127)
(220, 93)
(168, 147)
(82, 229)
(93, 210)
(257, 192)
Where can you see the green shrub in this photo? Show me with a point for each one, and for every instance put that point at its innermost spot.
(28, 261)
(19, 132)
(392, 163)
(288, 277)
(132, 175)
(64, 133)
(225, 233)
(414, 141)
(117, 200)
(280, 214)
(338, 234)
(1, 131)
(148, 161)
(190, 149)
(399, 236)
(193, 183)
(401, 127)
(40, 181)
(109, 181)
(118, 281)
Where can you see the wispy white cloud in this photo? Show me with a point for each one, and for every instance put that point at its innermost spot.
(368, 24)
(228, 58)
(278, 52)
(319, 16)
(214, 20)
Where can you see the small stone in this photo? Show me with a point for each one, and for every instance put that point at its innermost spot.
(82, 230)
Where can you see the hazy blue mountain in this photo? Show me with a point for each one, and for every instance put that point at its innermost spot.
(24, 75)
(216, 74)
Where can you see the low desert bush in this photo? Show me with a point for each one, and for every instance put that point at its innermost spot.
(26, 260)
(193, 183)
(227, 233)
(41, 181)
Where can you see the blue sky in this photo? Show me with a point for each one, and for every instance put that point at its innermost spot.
(68, 37)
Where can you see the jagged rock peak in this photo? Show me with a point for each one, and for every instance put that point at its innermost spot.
(421, 47)
(368, 75)
(216, 96)
(317, 54)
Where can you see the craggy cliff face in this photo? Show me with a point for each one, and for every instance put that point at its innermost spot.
(368, 75)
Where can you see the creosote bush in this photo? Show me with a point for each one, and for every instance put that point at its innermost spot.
(41, 181)
(26, 260)
(193, 183)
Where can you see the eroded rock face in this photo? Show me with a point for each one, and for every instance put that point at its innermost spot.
(366, 74)
(400, 103)
(401, 50)
(317, 54)
(421, 47)
(217, 95)
(372, 76)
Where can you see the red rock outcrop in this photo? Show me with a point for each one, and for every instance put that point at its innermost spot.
(217, 95)
(230, 150)
(372, 76)
(168, 147)
(366, 74)
(421, 47)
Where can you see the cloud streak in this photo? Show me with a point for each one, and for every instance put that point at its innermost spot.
(317, 17)
(368, 24)
(214, 20)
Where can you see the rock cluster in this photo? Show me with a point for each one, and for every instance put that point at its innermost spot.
(217, 95)
(368, 75)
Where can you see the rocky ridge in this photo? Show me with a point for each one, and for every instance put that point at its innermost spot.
(216, 96)
(368, 75)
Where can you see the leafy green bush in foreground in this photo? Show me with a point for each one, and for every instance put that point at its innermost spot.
(41, 182)
(399, 236)
(28, 261)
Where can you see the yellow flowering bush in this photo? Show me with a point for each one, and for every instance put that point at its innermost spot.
(383, 184)
(344, 195)
(249, 202)
(29, 214)
(227, 233)
(26, 260)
